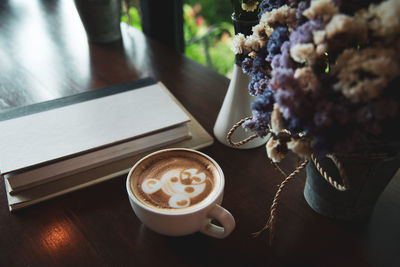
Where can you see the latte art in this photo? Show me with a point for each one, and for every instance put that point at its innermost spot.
(180, 185)
(174, 180)
(179, 191)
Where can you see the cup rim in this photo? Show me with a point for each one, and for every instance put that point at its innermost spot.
(204, 204)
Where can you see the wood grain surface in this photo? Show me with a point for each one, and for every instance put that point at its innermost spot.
(44, 54)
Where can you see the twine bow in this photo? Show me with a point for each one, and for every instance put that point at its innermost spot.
(233, 129)
(270, 225)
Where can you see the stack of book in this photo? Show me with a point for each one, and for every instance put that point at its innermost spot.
(58, 146)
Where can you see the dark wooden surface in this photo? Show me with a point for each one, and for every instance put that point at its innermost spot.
(44, 54)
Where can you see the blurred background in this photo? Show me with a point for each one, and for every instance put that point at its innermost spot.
(208, 31)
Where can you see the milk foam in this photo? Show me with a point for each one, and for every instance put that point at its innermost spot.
(180, 185)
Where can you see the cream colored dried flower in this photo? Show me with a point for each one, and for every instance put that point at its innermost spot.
(321, 9)
(252, 43)
(302, 147)
(319, 39)
(383, 19)
(250, 6)
(238, 44)
(252, 54)
(282, 16)
(277, 123)
(343, 25)
(276, 150)
(262, 32)
(338, 24)
(319, 36)
(307, 79)
(363, 75)
(245, 45)
(303, 53)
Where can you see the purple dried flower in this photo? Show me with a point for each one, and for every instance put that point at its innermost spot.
(304, 33)
(277, 38)
(283, 60)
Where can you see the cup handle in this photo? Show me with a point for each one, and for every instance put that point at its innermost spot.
(224, 217)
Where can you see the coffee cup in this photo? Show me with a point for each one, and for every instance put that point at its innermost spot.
(179, 191)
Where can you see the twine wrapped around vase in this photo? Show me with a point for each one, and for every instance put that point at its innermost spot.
(270, 225)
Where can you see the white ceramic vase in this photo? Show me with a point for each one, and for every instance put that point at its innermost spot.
(236, 106)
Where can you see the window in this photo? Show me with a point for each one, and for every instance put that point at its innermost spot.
(207, 30)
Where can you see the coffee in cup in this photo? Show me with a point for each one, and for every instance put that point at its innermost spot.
(175, 180)
(173, 187)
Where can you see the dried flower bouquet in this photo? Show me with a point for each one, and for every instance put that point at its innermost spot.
(325, 77)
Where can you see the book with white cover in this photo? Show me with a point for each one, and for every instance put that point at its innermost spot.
(65, 131)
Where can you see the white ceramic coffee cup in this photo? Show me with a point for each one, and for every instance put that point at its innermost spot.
(188, 221)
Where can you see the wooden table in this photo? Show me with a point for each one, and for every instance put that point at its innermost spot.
(44, 54)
